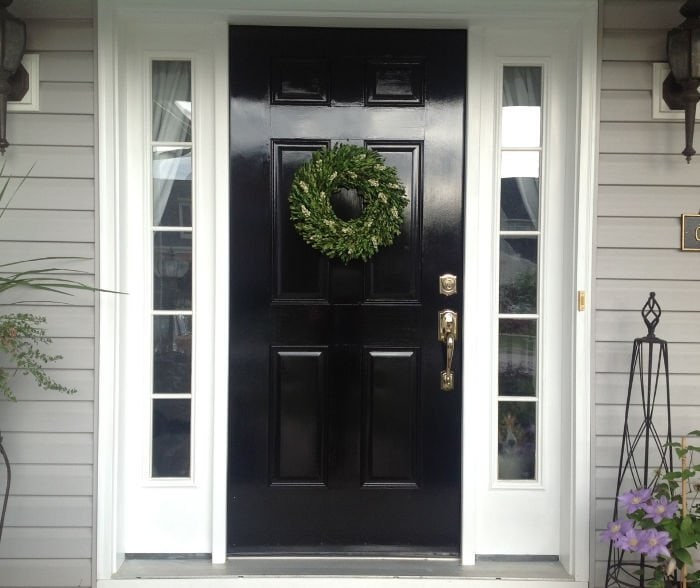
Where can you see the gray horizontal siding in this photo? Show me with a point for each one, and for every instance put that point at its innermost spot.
(636, 15)
(658, 138)
(624, 295)
(50, 511)
(644, 187)
(72, 10)
(48, 540)
(74, 130)
(51, 35)
(61, 320)
(52, 415)
(634, 169)
(67, 66)
(56, 194)
(59, 573)
(611, 388)
(67, 97)
(48, 161)
(638, 45)
(55, 448)
(622, 75)
(625, 105)
(646, 201)
(63, 226)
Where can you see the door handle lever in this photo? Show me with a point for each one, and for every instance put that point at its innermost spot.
(447, 333)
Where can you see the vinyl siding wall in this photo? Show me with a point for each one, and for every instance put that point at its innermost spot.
(48, 539)
(644, 187)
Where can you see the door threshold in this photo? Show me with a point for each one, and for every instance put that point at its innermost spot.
(330, 572)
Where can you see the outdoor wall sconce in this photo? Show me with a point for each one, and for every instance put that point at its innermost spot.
(14, 80)
(681, 86)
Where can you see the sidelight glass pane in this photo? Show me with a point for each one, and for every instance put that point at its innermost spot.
(518, 275)
(172, 354)
(520, 204)
(172, 187)
(522, 85)
(520, 127)
(521, 118)
(172, 270)
(520, 164)
(517, 440)
(172, 101)
(171, 152)
(171, 438)
(517, 357)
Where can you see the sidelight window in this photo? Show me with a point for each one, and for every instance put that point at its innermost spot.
(172, 247)
(519, 298)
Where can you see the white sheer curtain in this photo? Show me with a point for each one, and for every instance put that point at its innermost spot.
(522, 87)
(172, 124)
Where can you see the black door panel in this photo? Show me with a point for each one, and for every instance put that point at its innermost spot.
(341, 440)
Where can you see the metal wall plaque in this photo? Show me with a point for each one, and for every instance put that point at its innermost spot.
(690, 232)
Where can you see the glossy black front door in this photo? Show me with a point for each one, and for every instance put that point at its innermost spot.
(341, 440)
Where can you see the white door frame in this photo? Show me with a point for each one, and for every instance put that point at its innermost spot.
(478, 17)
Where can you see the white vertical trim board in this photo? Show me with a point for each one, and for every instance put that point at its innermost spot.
(131, 30)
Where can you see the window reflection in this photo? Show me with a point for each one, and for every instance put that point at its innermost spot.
(172, 271)
(520, 164)
(171, 438)
(521, 117)
(518, 342)
(518, 275)
(172, 101)
(522, 85)
(172, 354)
(172, 230)
(520, 206)
(517, 357)
(172, 187)
(517, 436)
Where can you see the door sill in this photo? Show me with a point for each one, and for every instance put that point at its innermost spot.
(375, 572)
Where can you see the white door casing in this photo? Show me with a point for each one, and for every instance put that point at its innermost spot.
(136, 515)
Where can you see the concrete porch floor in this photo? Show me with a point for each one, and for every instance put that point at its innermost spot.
(337, 572)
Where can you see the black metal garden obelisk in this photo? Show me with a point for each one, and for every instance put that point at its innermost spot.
(4, 496)
(646, 453)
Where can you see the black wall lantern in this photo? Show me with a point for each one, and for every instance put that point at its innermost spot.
(681, 86)
(13, 78)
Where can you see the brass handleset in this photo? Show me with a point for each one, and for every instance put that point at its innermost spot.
(447, 333)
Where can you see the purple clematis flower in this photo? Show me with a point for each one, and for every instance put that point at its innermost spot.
(653, 543)
(659, 509)
(634, 499)
(615, 530)
(631, 540)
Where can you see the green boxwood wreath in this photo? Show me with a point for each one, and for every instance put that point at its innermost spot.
(349, 167)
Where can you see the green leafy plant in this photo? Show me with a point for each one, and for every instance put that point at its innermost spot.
(21, 338)
(658, 528)
(22, 335)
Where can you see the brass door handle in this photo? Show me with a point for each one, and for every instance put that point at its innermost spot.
(447, 333)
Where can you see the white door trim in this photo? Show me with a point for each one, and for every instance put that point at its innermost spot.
(478, 16)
